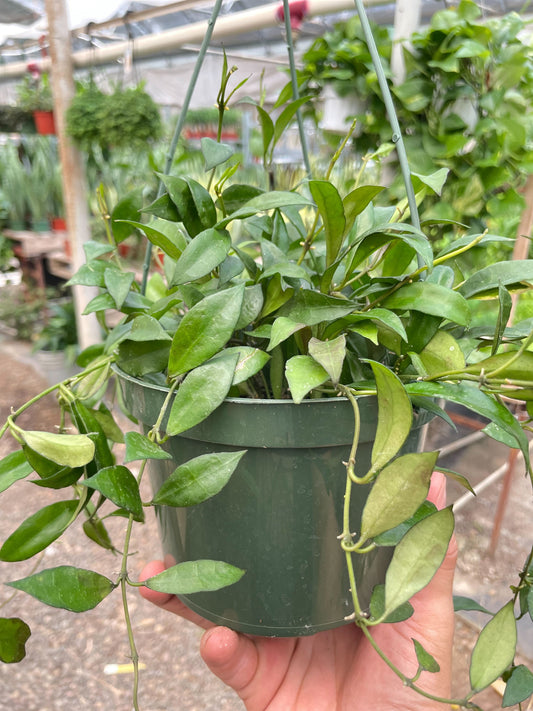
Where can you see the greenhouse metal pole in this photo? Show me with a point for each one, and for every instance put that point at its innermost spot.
(72, 164)
(169, 40)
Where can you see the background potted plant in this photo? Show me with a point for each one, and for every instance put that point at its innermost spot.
(55, 346)
(34, 94)
(277, 296)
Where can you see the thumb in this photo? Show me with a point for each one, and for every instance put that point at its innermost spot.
(230, 656)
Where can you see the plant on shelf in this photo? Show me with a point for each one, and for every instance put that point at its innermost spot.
(323, 316)
(14, 186)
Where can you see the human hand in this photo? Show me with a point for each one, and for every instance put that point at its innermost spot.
(336, 670)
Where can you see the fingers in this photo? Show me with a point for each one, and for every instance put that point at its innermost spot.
(230, 656)
(167, 601)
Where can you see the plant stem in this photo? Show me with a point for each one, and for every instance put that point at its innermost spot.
(127, 617)
(181, 122)
(397, 137)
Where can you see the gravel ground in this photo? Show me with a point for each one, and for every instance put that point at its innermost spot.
(65, 667)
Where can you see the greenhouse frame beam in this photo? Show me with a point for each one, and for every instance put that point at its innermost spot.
(152, 45)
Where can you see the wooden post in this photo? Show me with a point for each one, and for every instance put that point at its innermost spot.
(406, 21)
(72, 164)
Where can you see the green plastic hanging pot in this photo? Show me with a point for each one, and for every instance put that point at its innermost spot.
(280, 515)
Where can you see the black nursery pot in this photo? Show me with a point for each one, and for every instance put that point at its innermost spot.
(280, 515)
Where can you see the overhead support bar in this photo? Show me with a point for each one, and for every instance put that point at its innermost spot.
(151, 45)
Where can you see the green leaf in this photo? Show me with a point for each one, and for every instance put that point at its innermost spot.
(330, 355)
(202, 391)
(203, 254)
(196, 208)
(395, 416)
(215, 153)
(417, 558)
(204, 330)
(283, 328)
(126, 209)
(395, 535)
(442, 354)
(273, 200)
(39, 530)
(138, 358)
(519, 686)
(91, 274)
(118, 284)
(198, 479)
(377, 607)
(164, 208)
(118, 485)
(13, 467)
(251, 306)
(459, 478)
(311, 307)
(93, 250)
(430, 298)
(14, 633)
(66, 587)
(425, 660)
(518, 368)
(195, 576)
(165, 235)
(477, 401)
(399, 490)
(96, 531)
(331, 210)
(250, 361)
(460, 602)
(147, 328)
(64, 449)
(495, 648)
(304, 374)
(357, 200)
(487, 281)
(138, 446)
(435, 181)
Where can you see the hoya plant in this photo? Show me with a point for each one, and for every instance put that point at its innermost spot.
(313, 292)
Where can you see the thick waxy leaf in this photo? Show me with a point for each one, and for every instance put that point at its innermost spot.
(491, 277)
(311, 307)
(138, 358)
(283, 328)
(250, 361)
(14, 633)
(91, 274)
(304, 374)
(356, 201)
(214, 153)
(96, 531)
(495, 648)
(66, 587)
(377, 607)
(474, 399)
(466, 603)
(202, 391)
(397, 493)
(13, 467)
(395, 416)
(251, 306)
(67, 450)
(203, 254)
(519, 686)
(93, 250)
(417, 558)
(147, 328)
(425, 660)
(198, 479)
(138, 446)
(387, 318)
(518, 368)
(196, 208)
(126, 209)
(195, 576)
(204, 330)
(118, 485)
(330, 355)
(39, 530)
(118, 284)
(273, 200)
(431, 299)
(395, 535)
(442, 354)
(169, 239)
(331, 210)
